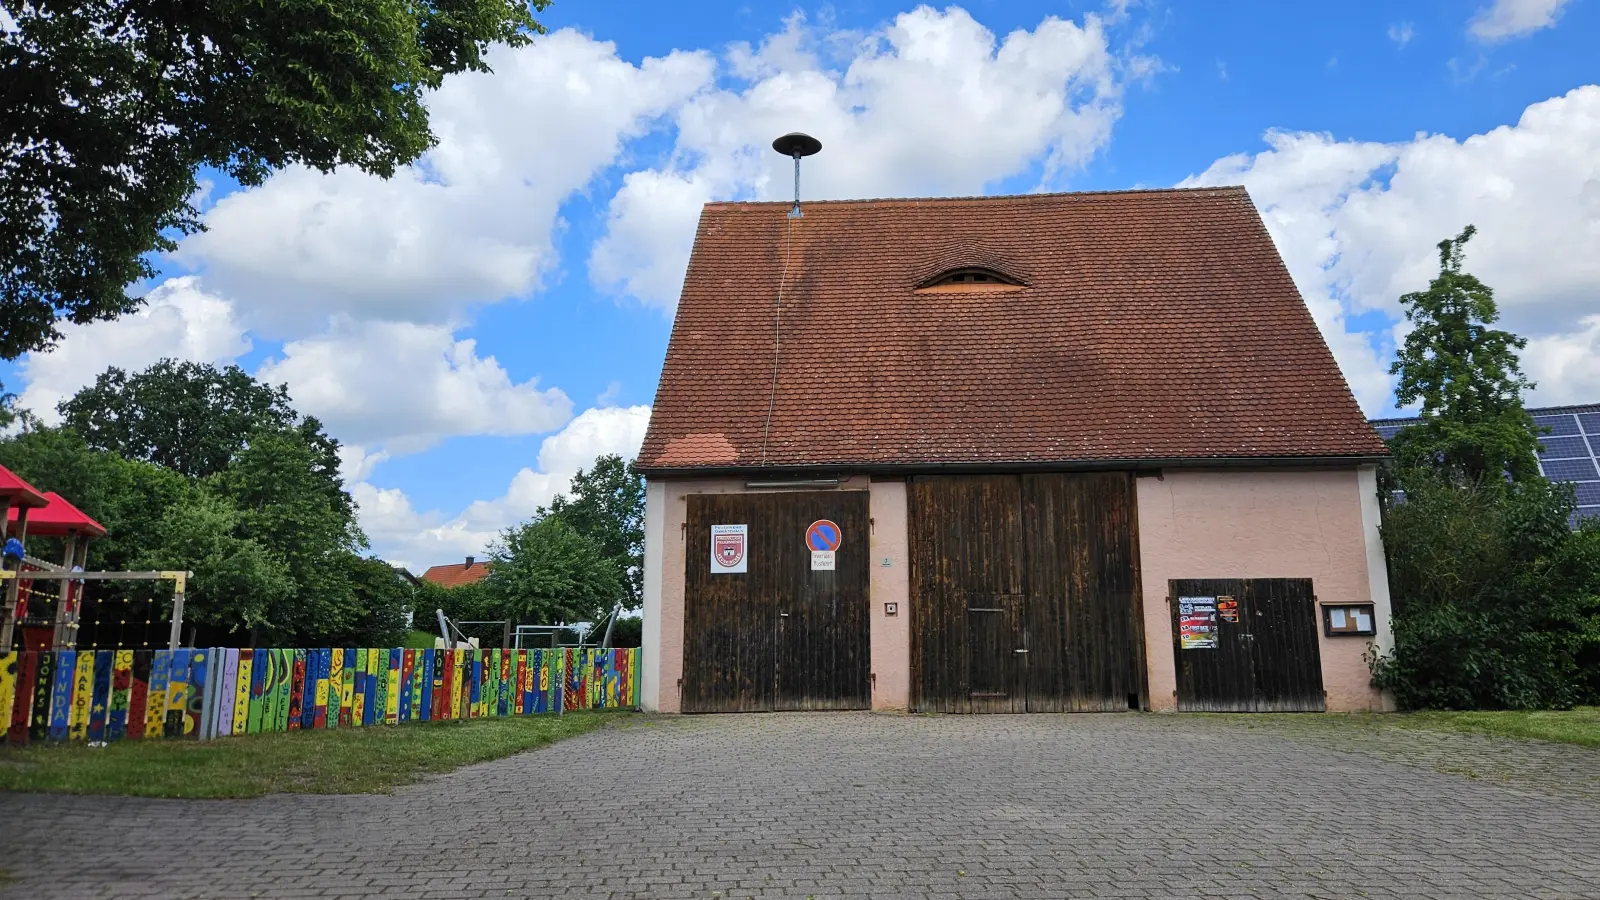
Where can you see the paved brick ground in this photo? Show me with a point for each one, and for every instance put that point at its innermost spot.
(831, 805)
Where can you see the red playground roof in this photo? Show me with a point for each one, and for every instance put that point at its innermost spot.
(59, 518)
(19, 492)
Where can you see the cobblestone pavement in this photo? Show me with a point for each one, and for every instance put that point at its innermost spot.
(862, 805)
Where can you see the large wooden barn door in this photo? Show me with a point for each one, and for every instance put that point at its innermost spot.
(1262, 653)
(1024, 593)
(781, 636)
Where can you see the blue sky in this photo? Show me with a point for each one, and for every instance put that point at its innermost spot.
(485, 324)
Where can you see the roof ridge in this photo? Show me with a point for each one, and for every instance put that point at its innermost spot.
(967, 198)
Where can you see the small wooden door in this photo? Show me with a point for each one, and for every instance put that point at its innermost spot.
(782, 636)
(1265, 656)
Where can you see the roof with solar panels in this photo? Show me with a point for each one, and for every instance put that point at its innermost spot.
(1570, 449)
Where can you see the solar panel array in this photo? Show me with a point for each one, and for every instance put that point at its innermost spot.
(1571, 453)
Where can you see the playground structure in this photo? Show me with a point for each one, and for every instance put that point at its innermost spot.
(524, 637)
(49, 515)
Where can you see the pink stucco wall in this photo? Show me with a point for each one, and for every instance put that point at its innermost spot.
(1283, 523)
(890, 583)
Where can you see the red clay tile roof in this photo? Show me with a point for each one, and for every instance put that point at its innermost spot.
(457, 574)
(1153, 325)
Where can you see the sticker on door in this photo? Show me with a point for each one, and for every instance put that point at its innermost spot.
(729, 549)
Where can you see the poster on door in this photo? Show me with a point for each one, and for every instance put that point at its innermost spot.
(730, 549)
(1197, 623)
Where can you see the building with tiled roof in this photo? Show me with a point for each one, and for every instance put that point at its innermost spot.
(457, 574)
(1005, 454)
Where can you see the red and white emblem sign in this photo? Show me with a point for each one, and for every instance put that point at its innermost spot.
(729, 549)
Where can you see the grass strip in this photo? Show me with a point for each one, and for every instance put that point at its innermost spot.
(342, 761)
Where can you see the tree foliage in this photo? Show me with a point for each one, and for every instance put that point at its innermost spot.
(190, 417)
(1467, 378)
(606, 505)
(546, 571)
(1496, 599)
(109, 108)
(258, 510)
(1497, 602)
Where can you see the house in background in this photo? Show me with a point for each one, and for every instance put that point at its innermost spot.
(1034, 453)
(457, 574)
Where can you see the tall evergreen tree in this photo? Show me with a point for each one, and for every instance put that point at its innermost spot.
(1467, 377)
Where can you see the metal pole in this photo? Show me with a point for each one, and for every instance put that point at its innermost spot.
(444, 628)
(505, 636)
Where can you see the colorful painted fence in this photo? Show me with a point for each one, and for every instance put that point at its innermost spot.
(113, 695)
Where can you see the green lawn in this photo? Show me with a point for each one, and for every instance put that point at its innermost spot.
(342, 761)
(419, 640)
(1579, 726)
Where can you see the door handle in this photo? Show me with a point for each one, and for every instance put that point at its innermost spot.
(1019, 651)
(783, 615)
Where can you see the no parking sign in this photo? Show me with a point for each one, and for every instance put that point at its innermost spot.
(823, 538)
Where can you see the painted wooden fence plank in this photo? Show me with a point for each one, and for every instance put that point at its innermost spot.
(319, 713)
(243, 690)
(155, 709)
(228, 693)
(375, 686)
(177, 693)
(82, 696)
(100, 703)
(286, 661)
(43, 690)
(408, 662)
(391, 692)
(194, 706)
(425, 685)
(22, 705)
(335, 686)
(64, 670)
(475, 686)
(8, 686)
(297, 690)
(260, 674)
(139, 692)
(347, 689)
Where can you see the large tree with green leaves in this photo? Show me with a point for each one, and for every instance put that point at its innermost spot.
(1466, 376)
(546, 571)
(193, 418)
(606, 505)
(109, 108)
(1496, 598)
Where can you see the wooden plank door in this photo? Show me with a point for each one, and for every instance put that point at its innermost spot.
(729, 625)
(782, 636)
(1219, 678)
(1266, 661)
(1286, 658)
(822, 626)
(1083, 634)
(967, 586)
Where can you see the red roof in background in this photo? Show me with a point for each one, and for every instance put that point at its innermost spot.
(57, 518)
(1152, 325)
(457, 574)
(19, 492)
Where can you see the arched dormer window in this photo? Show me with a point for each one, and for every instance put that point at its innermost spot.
(970, 279)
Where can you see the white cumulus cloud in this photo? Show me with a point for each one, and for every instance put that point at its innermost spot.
(1358, 224)
(405, 387)
(405, 536)
(1505, 19)
(178, 320)
(471, 222)
(933, 103)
